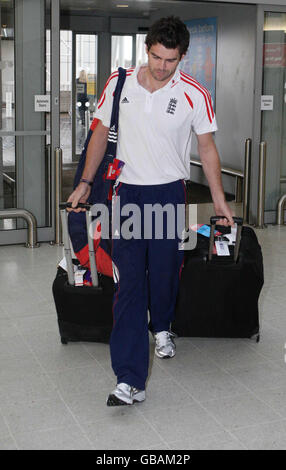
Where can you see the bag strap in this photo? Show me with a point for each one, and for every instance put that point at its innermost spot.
(110, 153)
(113, 128)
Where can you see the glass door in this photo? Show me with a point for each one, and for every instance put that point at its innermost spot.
(122, 52)
(273, 105)
(26, 118)
(84, 88)
(141, 56)
(8, 187)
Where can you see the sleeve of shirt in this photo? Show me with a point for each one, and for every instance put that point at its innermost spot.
(104, 105)
(204, 118)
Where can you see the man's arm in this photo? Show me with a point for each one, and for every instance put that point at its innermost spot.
(212, 169)
(94, 155)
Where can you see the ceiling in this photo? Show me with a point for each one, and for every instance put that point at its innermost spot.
(109, 7)
(135, 8)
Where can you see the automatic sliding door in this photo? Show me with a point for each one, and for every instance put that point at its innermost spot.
(25, 122)
(7, 116)
(121, 52)
(85, 87)
(273, 128)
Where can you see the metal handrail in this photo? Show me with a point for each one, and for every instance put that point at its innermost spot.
(247, 177)
(240, 196)
(227, 171)
(58, 156)
(261, 186)
(8, 179)
(280, 210)
(87, 122)
(31, 222)
(48, 163)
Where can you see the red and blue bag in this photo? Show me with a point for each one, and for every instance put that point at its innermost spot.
(101, 191)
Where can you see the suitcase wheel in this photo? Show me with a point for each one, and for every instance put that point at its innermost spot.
(257, 338)
(64, 340)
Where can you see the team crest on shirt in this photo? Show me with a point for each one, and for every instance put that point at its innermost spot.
(172, 106)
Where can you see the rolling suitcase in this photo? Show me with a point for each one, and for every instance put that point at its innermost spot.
(218, 295)
(84, 312)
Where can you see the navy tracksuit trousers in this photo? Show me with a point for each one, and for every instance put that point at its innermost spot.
(146, 275)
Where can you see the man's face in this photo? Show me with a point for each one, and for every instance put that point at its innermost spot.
(162, 62)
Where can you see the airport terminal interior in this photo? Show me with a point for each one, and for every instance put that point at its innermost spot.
(216, 393)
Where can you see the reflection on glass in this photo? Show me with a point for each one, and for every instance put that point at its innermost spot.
(274, 114)
(85, 86)
(121, 52)
(141, 56)
(66, 95)
(7, 116)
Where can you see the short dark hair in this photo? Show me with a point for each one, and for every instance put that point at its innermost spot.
(171, 32)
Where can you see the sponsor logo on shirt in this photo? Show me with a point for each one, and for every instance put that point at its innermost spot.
(125, 100)
(172, 106)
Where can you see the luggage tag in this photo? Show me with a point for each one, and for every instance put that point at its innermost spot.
(203, 229)
(222, 247)
(114, 169)
(78, 276)
(232, 236)
(63, 264)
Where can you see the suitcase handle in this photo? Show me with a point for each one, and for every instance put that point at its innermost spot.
(215, 218)
(81, 205)
(66, 240)
(239, 222)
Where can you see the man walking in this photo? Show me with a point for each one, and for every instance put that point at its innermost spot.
(160, 108)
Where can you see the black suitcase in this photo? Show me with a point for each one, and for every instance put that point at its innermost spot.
(84, 312)
(218, 295)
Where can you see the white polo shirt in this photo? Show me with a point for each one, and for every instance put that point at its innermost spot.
(155, 129)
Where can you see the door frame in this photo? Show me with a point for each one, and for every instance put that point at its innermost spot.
(15, 236)
(269, 216)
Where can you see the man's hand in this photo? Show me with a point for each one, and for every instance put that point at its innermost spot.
(94, 155)
(222, 208)
(80, 194)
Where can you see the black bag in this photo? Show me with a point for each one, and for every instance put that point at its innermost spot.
(84, 312)
(218, 295)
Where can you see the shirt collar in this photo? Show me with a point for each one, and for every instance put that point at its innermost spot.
(174, 79)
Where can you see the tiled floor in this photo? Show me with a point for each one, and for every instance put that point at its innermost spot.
(215, 394)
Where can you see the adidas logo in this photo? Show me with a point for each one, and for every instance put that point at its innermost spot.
(125, 100)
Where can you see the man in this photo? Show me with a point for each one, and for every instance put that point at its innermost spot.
(159, 108)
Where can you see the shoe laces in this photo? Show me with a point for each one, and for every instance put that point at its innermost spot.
(127, 389)
(164, 338)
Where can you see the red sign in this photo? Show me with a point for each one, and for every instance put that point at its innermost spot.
(274, 55)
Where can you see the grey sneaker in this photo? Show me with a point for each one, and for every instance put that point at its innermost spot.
(124, 394)
(165, 346)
